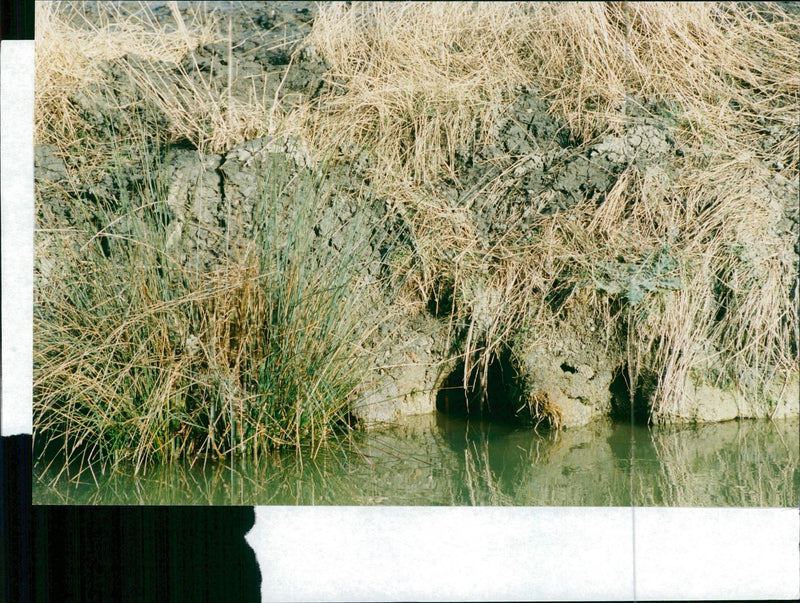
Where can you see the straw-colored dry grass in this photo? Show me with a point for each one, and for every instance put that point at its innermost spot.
(417, 83)
(417, 86)
(723, 65)
(415, 80)
(157, 57)
(70, 46)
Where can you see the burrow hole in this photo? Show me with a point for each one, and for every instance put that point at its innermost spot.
(622, 407)
(502, 399)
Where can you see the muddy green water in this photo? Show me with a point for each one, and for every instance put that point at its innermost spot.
(436, 460)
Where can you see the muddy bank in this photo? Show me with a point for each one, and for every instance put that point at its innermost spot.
(532, 175)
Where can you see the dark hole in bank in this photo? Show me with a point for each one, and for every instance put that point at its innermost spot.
(558, 296)
(440, 303)
(622, 407)
(499, 401)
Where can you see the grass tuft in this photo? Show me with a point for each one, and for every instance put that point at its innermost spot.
(138, 358)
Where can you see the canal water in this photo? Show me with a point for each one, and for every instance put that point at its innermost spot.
(440, 460)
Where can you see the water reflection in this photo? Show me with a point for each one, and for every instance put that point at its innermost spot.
(436, 460)
(739, 464)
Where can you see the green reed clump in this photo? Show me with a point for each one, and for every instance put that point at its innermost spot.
(138, 358)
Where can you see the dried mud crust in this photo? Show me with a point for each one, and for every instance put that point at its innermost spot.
(533, 167)
(265, 63)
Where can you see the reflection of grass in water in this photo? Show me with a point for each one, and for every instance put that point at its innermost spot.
(482, 482)
(727, 465)
(753, 464)
(275, 481)
(547, 468)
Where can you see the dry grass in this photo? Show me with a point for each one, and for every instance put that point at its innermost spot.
(156, 54)
(417, 83)
(203, 110)
(729, 70)
(416, 86)
(414, 89)
(70, 45)
(724, 303)
(736, 315)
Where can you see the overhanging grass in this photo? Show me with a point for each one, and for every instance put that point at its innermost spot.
(416, 86)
